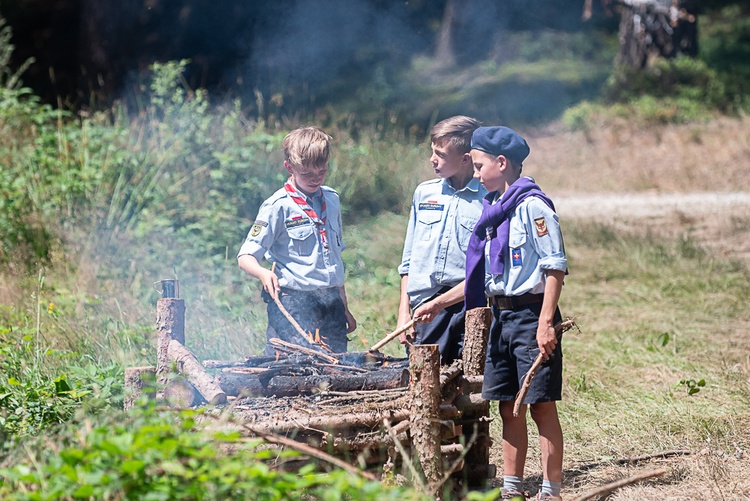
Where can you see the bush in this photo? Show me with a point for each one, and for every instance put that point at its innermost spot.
(166, 456)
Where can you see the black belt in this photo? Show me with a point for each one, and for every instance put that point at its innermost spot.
(513, 302)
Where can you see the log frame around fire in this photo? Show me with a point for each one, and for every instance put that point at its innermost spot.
(439, 420)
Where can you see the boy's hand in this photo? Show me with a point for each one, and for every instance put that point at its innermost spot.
(546, 339)
(408, 334)
(427, 312)
(270, 283)
(351, 322)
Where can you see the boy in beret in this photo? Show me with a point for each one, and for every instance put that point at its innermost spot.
(299, 229)
(443, 214)
(516, 257)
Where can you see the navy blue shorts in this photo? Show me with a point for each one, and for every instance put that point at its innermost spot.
(446, 330)
(511, 351)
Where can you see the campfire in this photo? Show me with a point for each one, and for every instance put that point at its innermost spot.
(370, 409)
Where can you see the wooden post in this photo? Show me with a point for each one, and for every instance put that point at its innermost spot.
(476, 411)
(170, 324)
(478, 321)
(136, 380)
(424, 366)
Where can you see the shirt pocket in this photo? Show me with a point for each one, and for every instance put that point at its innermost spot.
(427, 220)
(465, 228)
(302, 240)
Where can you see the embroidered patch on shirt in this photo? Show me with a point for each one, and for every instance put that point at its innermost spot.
(541, 227)
(515, 257)
(257, 227)
(431, 206)
(297, 221)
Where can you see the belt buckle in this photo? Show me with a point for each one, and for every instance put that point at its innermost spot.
(503, 302)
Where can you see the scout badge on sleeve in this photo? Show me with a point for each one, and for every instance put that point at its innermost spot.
(541, 227)
(257, 227)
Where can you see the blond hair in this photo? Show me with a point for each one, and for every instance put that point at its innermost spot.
(306, 146)
(456, 131)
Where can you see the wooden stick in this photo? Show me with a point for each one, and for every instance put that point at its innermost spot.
(393, 334)
(560, 328)
(306, 449)
(607, 488)
(307, 351)
(307, 337)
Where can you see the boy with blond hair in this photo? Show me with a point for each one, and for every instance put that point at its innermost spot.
(299, 229)
(443, 213)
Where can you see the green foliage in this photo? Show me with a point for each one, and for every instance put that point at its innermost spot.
(165, 456)
(40, 387)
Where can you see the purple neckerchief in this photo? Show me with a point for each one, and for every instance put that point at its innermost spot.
(495, 219)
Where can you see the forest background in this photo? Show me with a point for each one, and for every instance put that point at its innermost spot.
(143, 150)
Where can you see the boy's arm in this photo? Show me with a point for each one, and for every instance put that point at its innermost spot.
(351, 322)
(545, 333)
(252, 267)
(427, 311)
(404, 305)
(404, 311)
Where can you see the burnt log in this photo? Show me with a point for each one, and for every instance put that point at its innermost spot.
(250, 385)
(188, 366)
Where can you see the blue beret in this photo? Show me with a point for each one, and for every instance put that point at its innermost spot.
(500, 141)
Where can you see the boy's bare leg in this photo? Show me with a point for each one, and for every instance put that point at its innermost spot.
(545, 416)
(515, 439)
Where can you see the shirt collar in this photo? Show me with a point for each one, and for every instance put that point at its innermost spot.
(472, 185)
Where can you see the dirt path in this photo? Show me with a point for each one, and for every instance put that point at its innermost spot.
(718, 221)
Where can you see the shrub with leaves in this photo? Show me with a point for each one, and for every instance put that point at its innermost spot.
(170, 456)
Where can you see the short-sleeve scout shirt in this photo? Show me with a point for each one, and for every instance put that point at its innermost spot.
(440, 225)
(535, 245)
(284, 234)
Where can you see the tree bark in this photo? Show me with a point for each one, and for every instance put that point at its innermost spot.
(478, 321)
(473, 407)
(170, 325)
(425, 411)
(189, 366)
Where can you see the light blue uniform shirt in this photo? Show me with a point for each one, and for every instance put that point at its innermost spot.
(440, 224)
(285, 235)
(535, 245)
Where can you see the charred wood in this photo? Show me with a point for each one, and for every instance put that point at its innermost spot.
(250, 385)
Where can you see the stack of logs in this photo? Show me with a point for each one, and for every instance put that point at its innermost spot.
(365, 408)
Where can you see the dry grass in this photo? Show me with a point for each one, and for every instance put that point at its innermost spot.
(622, 158)
(680, 266)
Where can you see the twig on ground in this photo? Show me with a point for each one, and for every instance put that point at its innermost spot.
(607, 488)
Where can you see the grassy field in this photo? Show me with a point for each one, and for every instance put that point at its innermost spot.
(661, 361)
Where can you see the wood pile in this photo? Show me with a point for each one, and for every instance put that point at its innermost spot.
(390, 415)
